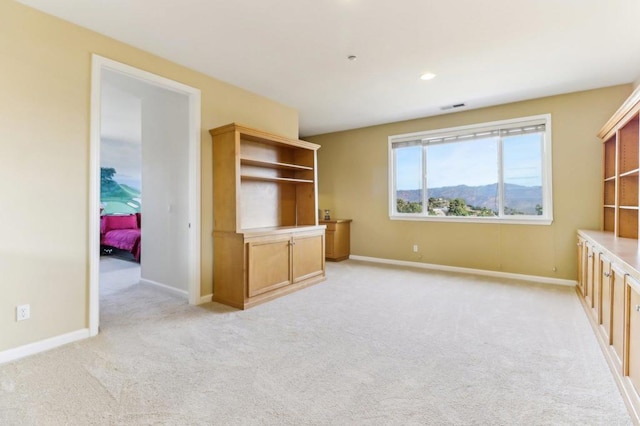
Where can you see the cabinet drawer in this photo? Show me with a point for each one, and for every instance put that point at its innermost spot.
(331, 226)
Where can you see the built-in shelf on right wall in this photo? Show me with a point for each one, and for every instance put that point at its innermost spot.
(621, 169)
(609, 261)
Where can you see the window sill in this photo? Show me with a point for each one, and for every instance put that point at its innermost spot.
(475, 219)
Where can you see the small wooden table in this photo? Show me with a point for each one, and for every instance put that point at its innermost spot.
(337, 239)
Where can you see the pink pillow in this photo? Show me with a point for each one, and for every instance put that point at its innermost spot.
(120, 222)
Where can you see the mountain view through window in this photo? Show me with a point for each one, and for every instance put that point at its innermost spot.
(496, 174)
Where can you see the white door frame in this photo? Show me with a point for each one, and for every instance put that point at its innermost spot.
(98, 64)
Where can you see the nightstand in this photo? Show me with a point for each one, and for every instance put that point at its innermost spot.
(337, 239)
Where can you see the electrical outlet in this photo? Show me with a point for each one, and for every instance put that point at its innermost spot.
(23, 312)
(415, 248)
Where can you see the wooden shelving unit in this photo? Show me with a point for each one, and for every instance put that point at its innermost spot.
(267, 241)
(621, 171)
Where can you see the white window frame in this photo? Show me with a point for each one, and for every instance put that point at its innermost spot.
(547, 187)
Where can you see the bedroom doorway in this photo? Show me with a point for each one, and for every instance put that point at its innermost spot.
(168, 114)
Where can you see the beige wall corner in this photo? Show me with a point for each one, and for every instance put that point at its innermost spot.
(44, 163)
(353, 183)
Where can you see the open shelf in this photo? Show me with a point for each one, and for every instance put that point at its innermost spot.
(609, 219)
(610, 192)
(628, 223)
(273, 164)
(610, 158)
(633, 172)
(628, 151)
(628, 190)
(275, 179)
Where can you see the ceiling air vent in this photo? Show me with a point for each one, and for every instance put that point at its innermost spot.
(454, 106)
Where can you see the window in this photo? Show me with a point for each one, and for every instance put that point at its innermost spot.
(490, 172)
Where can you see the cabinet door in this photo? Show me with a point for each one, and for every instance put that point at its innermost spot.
(582, 264)
(268, 264)
(605, 277)
(343, 240)
(633, 361)
(588, 282)
(596, 294)
(617, 312)
(308, 256)
(329, 243)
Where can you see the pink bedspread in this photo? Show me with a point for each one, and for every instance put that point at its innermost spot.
(125, 239)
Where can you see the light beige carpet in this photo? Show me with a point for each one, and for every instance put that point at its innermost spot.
(372, 345)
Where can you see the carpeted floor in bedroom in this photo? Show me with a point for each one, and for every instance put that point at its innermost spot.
(373, 344)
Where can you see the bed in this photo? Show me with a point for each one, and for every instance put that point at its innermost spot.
(121, 232)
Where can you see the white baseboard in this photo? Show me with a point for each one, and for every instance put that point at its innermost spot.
(483, 272)
(42, 345)
(166, 287)
(205, 299)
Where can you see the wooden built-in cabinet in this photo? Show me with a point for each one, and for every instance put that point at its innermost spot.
(614, 307)
(609, 259)
(338, 239)
(266, 236)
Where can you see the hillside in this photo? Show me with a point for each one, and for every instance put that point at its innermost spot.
(518, 197)
(123, 200)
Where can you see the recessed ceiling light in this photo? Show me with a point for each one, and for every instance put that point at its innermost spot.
(428, 76)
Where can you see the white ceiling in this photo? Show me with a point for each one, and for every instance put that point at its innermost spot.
(295, 51)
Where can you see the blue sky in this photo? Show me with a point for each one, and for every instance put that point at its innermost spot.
(472, 163)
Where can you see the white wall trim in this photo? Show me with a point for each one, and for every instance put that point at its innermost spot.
(178, 291)
(99, 63)
(94, 196)
(195, 179)
(205, 299)
(43, 345)
(483, 272)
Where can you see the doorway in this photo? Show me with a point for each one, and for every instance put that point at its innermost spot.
(170, 139)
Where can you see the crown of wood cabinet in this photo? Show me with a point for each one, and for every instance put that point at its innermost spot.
(267, 240)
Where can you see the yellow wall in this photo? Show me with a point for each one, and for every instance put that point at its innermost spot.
(45, 70)
(353, 171)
